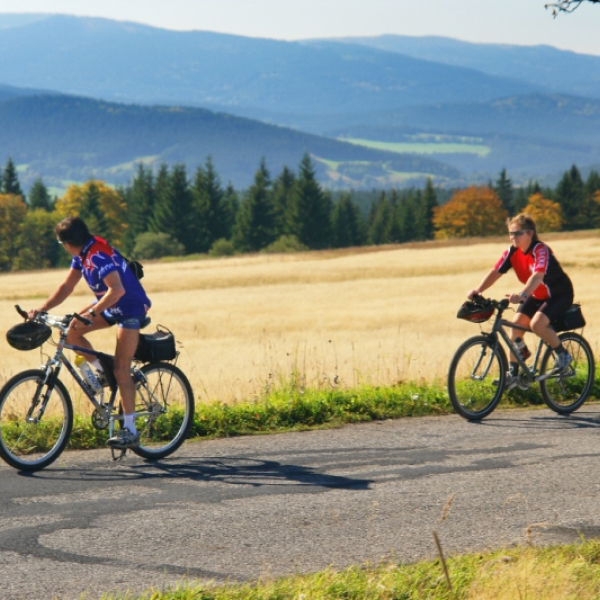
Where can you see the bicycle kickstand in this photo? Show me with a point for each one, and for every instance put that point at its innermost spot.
(118, 453)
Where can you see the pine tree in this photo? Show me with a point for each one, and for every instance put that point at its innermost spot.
(162, 210)
(212, 221)
(254, 227)
(10, 181)
(347, 223)
(91, 211)
(231, 206)
(570, 196)
(504, 189)
(139, 197)
(173, 211)
(406, 215)
(39, 196)
(282, 201)
(426, 210)
(310, 208)
(380, 221)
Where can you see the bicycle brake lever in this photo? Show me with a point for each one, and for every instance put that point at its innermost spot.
(85, 321)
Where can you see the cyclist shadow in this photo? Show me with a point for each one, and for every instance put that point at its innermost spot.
(247, 472)
(240, 471)
(579, 420)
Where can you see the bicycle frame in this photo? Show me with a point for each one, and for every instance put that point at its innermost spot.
(54, 365)
(498, 330)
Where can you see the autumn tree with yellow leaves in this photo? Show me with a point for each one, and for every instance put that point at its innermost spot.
(546, 213)
(475, 211)
(99, 205)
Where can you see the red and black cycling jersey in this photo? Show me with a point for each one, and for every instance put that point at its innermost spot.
(537, 259)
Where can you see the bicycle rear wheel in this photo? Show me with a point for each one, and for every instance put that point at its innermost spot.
(476, 378)
(33, 436)
(566, 393)
(165, 409)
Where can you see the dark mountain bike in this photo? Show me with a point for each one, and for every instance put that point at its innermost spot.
(36, 411)
(478, 371)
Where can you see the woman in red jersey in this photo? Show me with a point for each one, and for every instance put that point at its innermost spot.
(547, 291)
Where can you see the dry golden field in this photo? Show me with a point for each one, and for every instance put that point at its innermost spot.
(374, 315)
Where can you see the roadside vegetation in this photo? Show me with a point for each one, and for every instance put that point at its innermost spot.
(569, 572)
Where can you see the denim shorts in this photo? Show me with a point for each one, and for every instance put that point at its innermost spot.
(130, 322)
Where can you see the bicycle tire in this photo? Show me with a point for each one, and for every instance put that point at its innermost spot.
(167, 400)
(566, 394)
(30, 446)
(476, 378)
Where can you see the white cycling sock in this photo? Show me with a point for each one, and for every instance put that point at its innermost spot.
(129, 423)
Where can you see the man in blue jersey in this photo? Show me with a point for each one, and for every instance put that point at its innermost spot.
(120, 299)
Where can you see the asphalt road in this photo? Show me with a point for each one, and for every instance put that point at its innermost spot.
(248, 507)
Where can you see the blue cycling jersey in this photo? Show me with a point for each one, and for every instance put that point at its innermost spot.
(96, 261)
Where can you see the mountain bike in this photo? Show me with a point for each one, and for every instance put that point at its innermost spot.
(478, 370)
(36, 410)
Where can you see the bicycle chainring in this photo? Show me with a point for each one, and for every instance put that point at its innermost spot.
(100, 419)
(523, 381)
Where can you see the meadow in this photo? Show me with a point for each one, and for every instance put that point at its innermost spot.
(366, 316)
(424, 147)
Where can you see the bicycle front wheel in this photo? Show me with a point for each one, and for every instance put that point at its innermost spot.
(566, 393)
(476, 378)
(164, 409)
(35, 421)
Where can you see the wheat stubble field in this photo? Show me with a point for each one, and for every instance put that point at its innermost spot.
(374, 315)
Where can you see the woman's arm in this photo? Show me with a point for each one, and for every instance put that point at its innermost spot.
(487, 282)
(532, 284)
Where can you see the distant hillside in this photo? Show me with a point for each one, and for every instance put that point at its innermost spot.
(532, 110)
(555, 70)
(534, 134)
(126, 62)
(67, 137)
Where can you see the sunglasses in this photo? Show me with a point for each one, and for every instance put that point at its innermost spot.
(518, 233)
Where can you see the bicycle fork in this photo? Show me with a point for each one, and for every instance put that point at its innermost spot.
(48, 382)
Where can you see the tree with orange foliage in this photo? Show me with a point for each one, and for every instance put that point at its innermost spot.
(546, 214)
(474, 211)
(102, 207)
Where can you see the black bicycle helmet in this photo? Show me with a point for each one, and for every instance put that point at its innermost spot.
(28, 335)
(476, 312)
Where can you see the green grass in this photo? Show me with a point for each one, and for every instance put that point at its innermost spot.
(570, 572)
(423, 147)
(291, 407)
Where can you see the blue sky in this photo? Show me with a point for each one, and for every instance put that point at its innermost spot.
(523, 22)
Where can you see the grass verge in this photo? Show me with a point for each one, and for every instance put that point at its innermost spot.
(553, 573)
(293, 407)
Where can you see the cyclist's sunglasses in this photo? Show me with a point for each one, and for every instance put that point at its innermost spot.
(518, 233)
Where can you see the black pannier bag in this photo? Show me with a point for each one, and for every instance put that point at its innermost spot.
(156, 346)
(572, 319)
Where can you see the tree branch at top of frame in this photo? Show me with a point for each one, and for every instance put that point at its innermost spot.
(567, 6)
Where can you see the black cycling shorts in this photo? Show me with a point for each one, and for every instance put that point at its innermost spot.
(554, 307)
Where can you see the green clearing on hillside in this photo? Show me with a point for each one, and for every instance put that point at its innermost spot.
(422, 147)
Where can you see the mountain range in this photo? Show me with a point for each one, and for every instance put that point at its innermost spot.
(85, 95)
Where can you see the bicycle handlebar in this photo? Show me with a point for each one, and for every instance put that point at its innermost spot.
(54, 321)
(487, 302)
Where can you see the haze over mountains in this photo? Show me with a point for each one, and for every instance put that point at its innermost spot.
(462, 111)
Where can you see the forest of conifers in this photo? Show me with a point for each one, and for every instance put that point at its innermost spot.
(173, 213)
